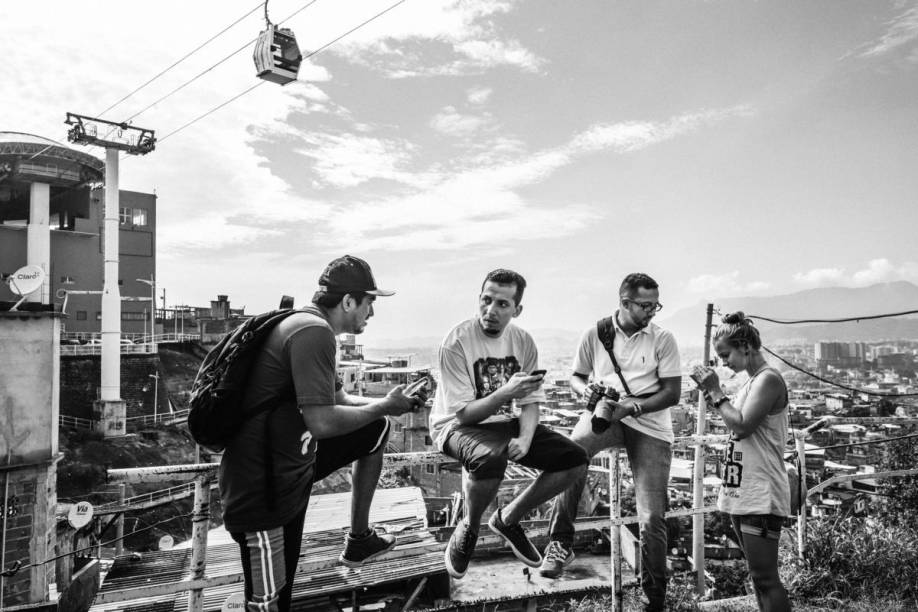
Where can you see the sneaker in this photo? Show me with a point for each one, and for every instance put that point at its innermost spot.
(557, 557)
(358, 550)
(460, 548)
(516, 538)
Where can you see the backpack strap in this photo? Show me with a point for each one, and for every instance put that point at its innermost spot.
(606, 330)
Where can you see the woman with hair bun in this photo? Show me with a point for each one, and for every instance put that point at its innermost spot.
(755, 491)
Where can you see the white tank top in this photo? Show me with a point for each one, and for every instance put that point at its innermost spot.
(754, 480)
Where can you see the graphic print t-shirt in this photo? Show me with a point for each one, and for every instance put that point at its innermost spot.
(474, 365)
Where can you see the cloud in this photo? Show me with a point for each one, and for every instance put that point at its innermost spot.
(346, 160)
(479, 95)
(467, 31)
(477, 201)
(449, 121)
(820, 277)
(884, 271)
(901, 30)
(724, 285)
(879, 270)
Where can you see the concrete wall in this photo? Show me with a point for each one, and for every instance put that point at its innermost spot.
(80, 379)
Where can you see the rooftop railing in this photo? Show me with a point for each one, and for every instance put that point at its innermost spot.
(203, 476)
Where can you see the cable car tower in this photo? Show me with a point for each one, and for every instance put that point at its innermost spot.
(277, 56)
(134, 141)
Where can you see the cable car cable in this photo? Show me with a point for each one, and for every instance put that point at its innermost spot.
(206, 70)
(186, 56)
(307, 56)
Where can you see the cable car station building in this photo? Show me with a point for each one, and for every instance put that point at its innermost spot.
(50, 216)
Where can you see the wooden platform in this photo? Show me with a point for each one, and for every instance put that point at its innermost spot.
(503, 579)
(319, 579)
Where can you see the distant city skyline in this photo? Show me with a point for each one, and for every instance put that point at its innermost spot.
(725, 148)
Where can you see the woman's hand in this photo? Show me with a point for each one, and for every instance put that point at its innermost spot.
(706, 379)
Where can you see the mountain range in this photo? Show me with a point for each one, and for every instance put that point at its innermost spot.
(823, 303)
(688, 323)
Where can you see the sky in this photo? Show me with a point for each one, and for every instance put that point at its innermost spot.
(727, 148)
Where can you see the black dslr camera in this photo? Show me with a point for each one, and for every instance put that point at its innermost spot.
(602, 418)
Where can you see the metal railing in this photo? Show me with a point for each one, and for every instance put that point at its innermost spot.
(204, 475)
(96, 349)
(162, 417)
(72, 422)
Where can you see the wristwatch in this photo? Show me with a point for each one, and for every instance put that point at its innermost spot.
(722, 400)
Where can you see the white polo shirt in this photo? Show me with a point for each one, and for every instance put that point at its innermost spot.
(647, 356)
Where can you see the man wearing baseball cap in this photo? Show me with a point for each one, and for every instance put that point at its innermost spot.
(313, 428)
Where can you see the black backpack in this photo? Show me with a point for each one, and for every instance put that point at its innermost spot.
(216, 412)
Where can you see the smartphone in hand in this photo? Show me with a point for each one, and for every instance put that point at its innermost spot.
(539, 373)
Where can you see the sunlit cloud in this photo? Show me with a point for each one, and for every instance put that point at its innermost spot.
(880, 270)
(725, 285)
(900, 31)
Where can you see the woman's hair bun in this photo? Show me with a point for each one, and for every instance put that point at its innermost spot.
(734, 318)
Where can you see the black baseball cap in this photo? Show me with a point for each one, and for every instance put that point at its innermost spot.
(350, 274)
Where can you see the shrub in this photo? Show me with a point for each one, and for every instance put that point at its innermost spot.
(856, 558)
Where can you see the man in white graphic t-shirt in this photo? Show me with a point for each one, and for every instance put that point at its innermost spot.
(488, 374)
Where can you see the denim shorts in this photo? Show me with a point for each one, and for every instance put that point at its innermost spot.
(760, 525)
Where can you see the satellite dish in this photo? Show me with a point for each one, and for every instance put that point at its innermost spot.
(26, 280)
(79, 514)
(166, 542)
(234, 603)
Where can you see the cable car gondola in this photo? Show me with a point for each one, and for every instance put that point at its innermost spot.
(277, 56)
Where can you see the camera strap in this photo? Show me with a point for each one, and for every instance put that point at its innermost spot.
(606, 330)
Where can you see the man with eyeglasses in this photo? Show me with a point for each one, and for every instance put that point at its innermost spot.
(640, 360)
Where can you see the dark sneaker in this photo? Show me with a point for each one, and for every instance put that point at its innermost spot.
(460, 548)
(359, 550)
(516, 538)
(557, 557)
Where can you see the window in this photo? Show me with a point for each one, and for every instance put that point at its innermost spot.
(120, 282)
(397, 426)
(430, 468)
(133, 316)
(81, 315)
(140, 216)
(124, 216)
(428, 441)
(98, 315)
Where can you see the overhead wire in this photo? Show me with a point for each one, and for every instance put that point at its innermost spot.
(842, 320)
(18, 566)
(183, 58)
(307, 56)
(832, 382)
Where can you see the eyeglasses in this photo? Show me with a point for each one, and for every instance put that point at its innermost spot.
(647, 307)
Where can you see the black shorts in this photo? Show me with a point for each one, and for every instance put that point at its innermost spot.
(482, 449)
(335, 453)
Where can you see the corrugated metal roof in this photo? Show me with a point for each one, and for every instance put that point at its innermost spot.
(398, 510)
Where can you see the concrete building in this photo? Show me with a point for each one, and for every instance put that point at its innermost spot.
(840, 354)
(45, 191)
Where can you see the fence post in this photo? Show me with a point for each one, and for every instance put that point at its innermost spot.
(800, 443)
(615, 534)
(698, 480)
(200, 523)
(119, 526)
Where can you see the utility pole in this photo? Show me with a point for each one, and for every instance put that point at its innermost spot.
(134, 141)
(698, 488)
